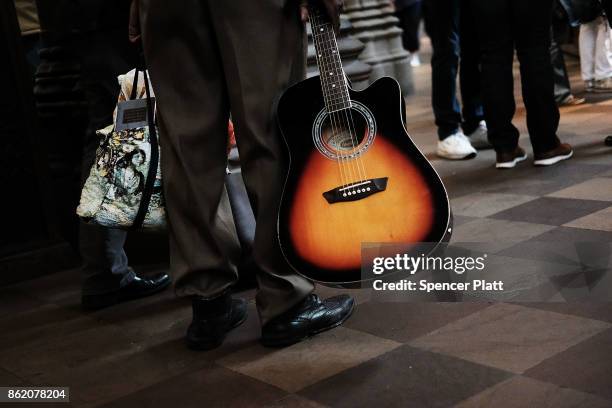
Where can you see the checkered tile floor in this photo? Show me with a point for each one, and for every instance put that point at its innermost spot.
(387, 354)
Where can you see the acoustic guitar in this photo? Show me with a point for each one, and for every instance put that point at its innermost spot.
(355, 175)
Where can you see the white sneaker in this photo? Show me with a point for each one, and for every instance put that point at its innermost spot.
(478, 138)
(456, 147)
(415, 61)
(603, 85)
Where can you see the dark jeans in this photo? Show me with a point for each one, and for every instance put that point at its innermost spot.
(454, 50)
(104, 56)
(504, 25)
(561, 80)
(409, 21)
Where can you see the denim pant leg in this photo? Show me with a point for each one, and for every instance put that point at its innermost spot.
(531, 22)
(442, 27)
(561, 79)
(469, 70)
(495, 38)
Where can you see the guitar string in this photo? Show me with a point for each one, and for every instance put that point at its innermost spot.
(314, 26)
(320, 52)
(336, 117)
(348, 120)
(348, 113)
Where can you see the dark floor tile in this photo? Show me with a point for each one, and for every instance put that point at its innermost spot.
(37, 359)
(579, 254)
(8, 379)
(15, 301)
(113, 375)
(55, 287)
(47, 321)
(403, 321)
(169, 344)
(551, 211)
(150, 318)
(540, 181)
(587, 366)
(210, 387)
(405, 377)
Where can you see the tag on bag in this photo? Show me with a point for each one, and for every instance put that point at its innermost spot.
(132, 114)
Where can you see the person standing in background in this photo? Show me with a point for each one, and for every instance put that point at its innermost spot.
(105, 52)
(409, 14)
(524, 25)
(595, 46)
(455, 52)
(27, 15)
(563, 91)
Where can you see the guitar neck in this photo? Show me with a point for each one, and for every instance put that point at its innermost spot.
(333, 80)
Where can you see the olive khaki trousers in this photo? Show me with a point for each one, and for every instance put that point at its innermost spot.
(208, 58)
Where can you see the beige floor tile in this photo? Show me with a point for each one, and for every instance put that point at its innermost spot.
(360, 295)
(600, 220)
(308, 362)
(599, 188)
(519, 392)
(510, 337)
(295, 401)
(485, 204)
(491, 235)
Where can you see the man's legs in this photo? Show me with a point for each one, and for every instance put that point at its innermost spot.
(409, 21)
(216, 55)
(189, 73)
(531, 22)
(193, 111)
(469, 71)
(586, 42)
(442, 26)
(603, 50)
(276, 43)
(497, 48)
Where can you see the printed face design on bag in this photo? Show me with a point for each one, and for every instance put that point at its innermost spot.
(128, 179)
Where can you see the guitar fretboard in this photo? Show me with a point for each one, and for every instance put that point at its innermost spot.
(333, 80)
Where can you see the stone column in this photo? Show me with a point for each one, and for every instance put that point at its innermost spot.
(375, 25)
(350, 47)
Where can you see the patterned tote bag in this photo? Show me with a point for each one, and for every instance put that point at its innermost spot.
(124, 187)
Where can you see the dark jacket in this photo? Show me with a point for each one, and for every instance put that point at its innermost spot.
(607, 6)
(581, 11)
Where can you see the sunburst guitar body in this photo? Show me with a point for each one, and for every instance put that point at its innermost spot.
(355, 176)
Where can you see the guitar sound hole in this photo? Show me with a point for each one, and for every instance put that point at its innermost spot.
(344, 134)
(341, 134)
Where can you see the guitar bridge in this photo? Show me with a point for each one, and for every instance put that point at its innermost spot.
(356, 191)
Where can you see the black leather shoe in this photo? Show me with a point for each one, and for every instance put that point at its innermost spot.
(213, 319)
(310, 317)
(137, 288)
